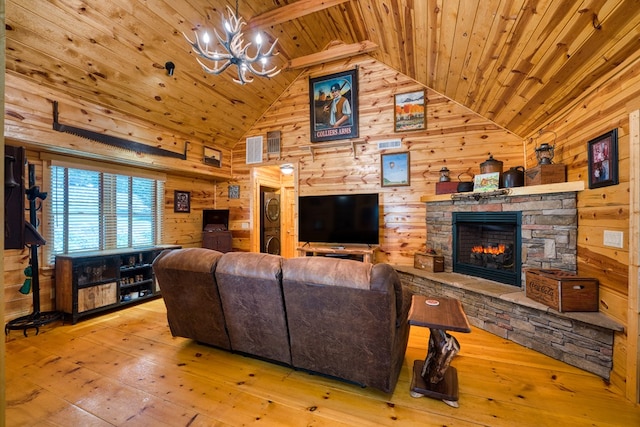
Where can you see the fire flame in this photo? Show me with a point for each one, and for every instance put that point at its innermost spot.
(493, 250)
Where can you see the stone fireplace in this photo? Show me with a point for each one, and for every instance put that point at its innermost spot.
(488, 245)
(548, 228)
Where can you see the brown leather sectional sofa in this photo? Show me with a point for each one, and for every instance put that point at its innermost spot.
(336, 317)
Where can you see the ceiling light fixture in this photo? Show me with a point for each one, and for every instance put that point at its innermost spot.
(235, 51)
(286, 169)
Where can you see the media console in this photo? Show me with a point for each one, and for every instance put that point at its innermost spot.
(360, 253)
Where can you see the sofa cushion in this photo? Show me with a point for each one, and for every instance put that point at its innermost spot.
(251, 294)
(326, 271)
(190, 293)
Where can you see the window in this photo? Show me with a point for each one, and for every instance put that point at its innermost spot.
(98, 210)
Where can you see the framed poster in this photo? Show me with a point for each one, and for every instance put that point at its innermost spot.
(181, 201)
(409, 111)
(603, 160)
(212, 157)
(394, 169)
(333, 101)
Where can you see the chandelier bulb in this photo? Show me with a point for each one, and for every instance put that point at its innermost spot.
(259, 40)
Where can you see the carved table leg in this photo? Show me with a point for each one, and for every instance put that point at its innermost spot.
(435, 377)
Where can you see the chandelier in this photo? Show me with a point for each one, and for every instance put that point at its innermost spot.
(236, 52)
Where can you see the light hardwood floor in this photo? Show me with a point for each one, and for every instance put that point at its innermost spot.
(124, 368)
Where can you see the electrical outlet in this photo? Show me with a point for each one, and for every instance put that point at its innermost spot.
(613, 238)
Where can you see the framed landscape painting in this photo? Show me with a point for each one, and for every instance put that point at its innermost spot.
(409, 111)
(394, 169)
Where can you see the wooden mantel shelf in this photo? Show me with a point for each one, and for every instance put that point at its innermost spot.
(561, 187)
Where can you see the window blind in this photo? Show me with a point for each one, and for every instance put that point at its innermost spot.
(96, 210)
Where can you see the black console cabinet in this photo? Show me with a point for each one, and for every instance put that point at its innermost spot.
(91, 282)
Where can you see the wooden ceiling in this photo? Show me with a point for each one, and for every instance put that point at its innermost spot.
(516, 62)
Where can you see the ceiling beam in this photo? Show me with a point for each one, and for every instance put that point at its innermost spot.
(291, 12)
(335, 53)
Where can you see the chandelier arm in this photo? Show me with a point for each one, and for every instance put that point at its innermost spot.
(216, 70)
(264, 73)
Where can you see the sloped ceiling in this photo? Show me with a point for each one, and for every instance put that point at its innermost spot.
(516, 62)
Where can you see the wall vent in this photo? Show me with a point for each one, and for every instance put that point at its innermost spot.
(254, 149)
(273, 142)
(390, 143)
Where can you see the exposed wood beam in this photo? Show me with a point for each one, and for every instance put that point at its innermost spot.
(336, 53)
(291, 12)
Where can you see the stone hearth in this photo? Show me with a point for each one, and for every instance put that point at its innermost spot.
(584, 340)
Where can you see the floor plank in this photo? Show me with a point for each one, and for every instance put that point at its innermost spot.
(125, 369)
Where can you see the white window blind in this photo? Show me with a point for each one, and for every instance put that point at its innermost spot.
(96, 210)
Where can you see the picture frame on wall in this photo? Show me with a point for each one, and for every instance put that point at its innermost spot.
(409, 111)
(603, 160)
(234, 191)
(395, 169)
(182, 201)
(333, 101)
(212, 157)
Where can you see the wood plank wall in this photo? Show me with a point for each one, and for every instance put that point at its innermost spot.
(454, 137)
(605, 208)
(28, 123)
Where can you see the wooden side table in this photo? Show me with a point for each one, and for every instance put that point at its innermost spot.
(434, 377)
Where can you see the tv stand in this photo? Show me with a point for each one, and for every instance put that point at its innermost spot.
(360, 253)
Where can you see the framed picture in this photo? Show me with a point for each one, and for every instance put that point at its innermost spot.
(234, 191)
(409, 111)
(603, 160)
(181, 201)
(394, 169)
(212, 157)
(486, 182)
(333, 101)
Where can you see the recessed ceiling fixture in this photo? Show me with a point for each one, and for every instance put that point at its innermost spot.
(235, 52)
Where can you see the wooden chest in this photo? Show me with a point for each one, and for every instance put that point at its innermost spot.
(428, 262)
(545, 174)
(562, 290)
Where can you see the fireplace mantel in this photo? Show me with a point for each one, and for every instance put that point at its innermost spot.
(561, 187)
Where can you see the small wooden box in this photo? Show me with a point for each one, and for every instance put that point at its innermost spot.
(447, 187)
(562, 290)
(428, 262)
(545, 174)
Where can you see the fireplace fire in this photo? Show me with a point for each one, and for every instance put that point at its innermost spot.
(487, 244)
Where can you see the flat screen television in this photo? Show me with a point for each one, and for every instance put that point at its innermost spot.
(343, 218)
